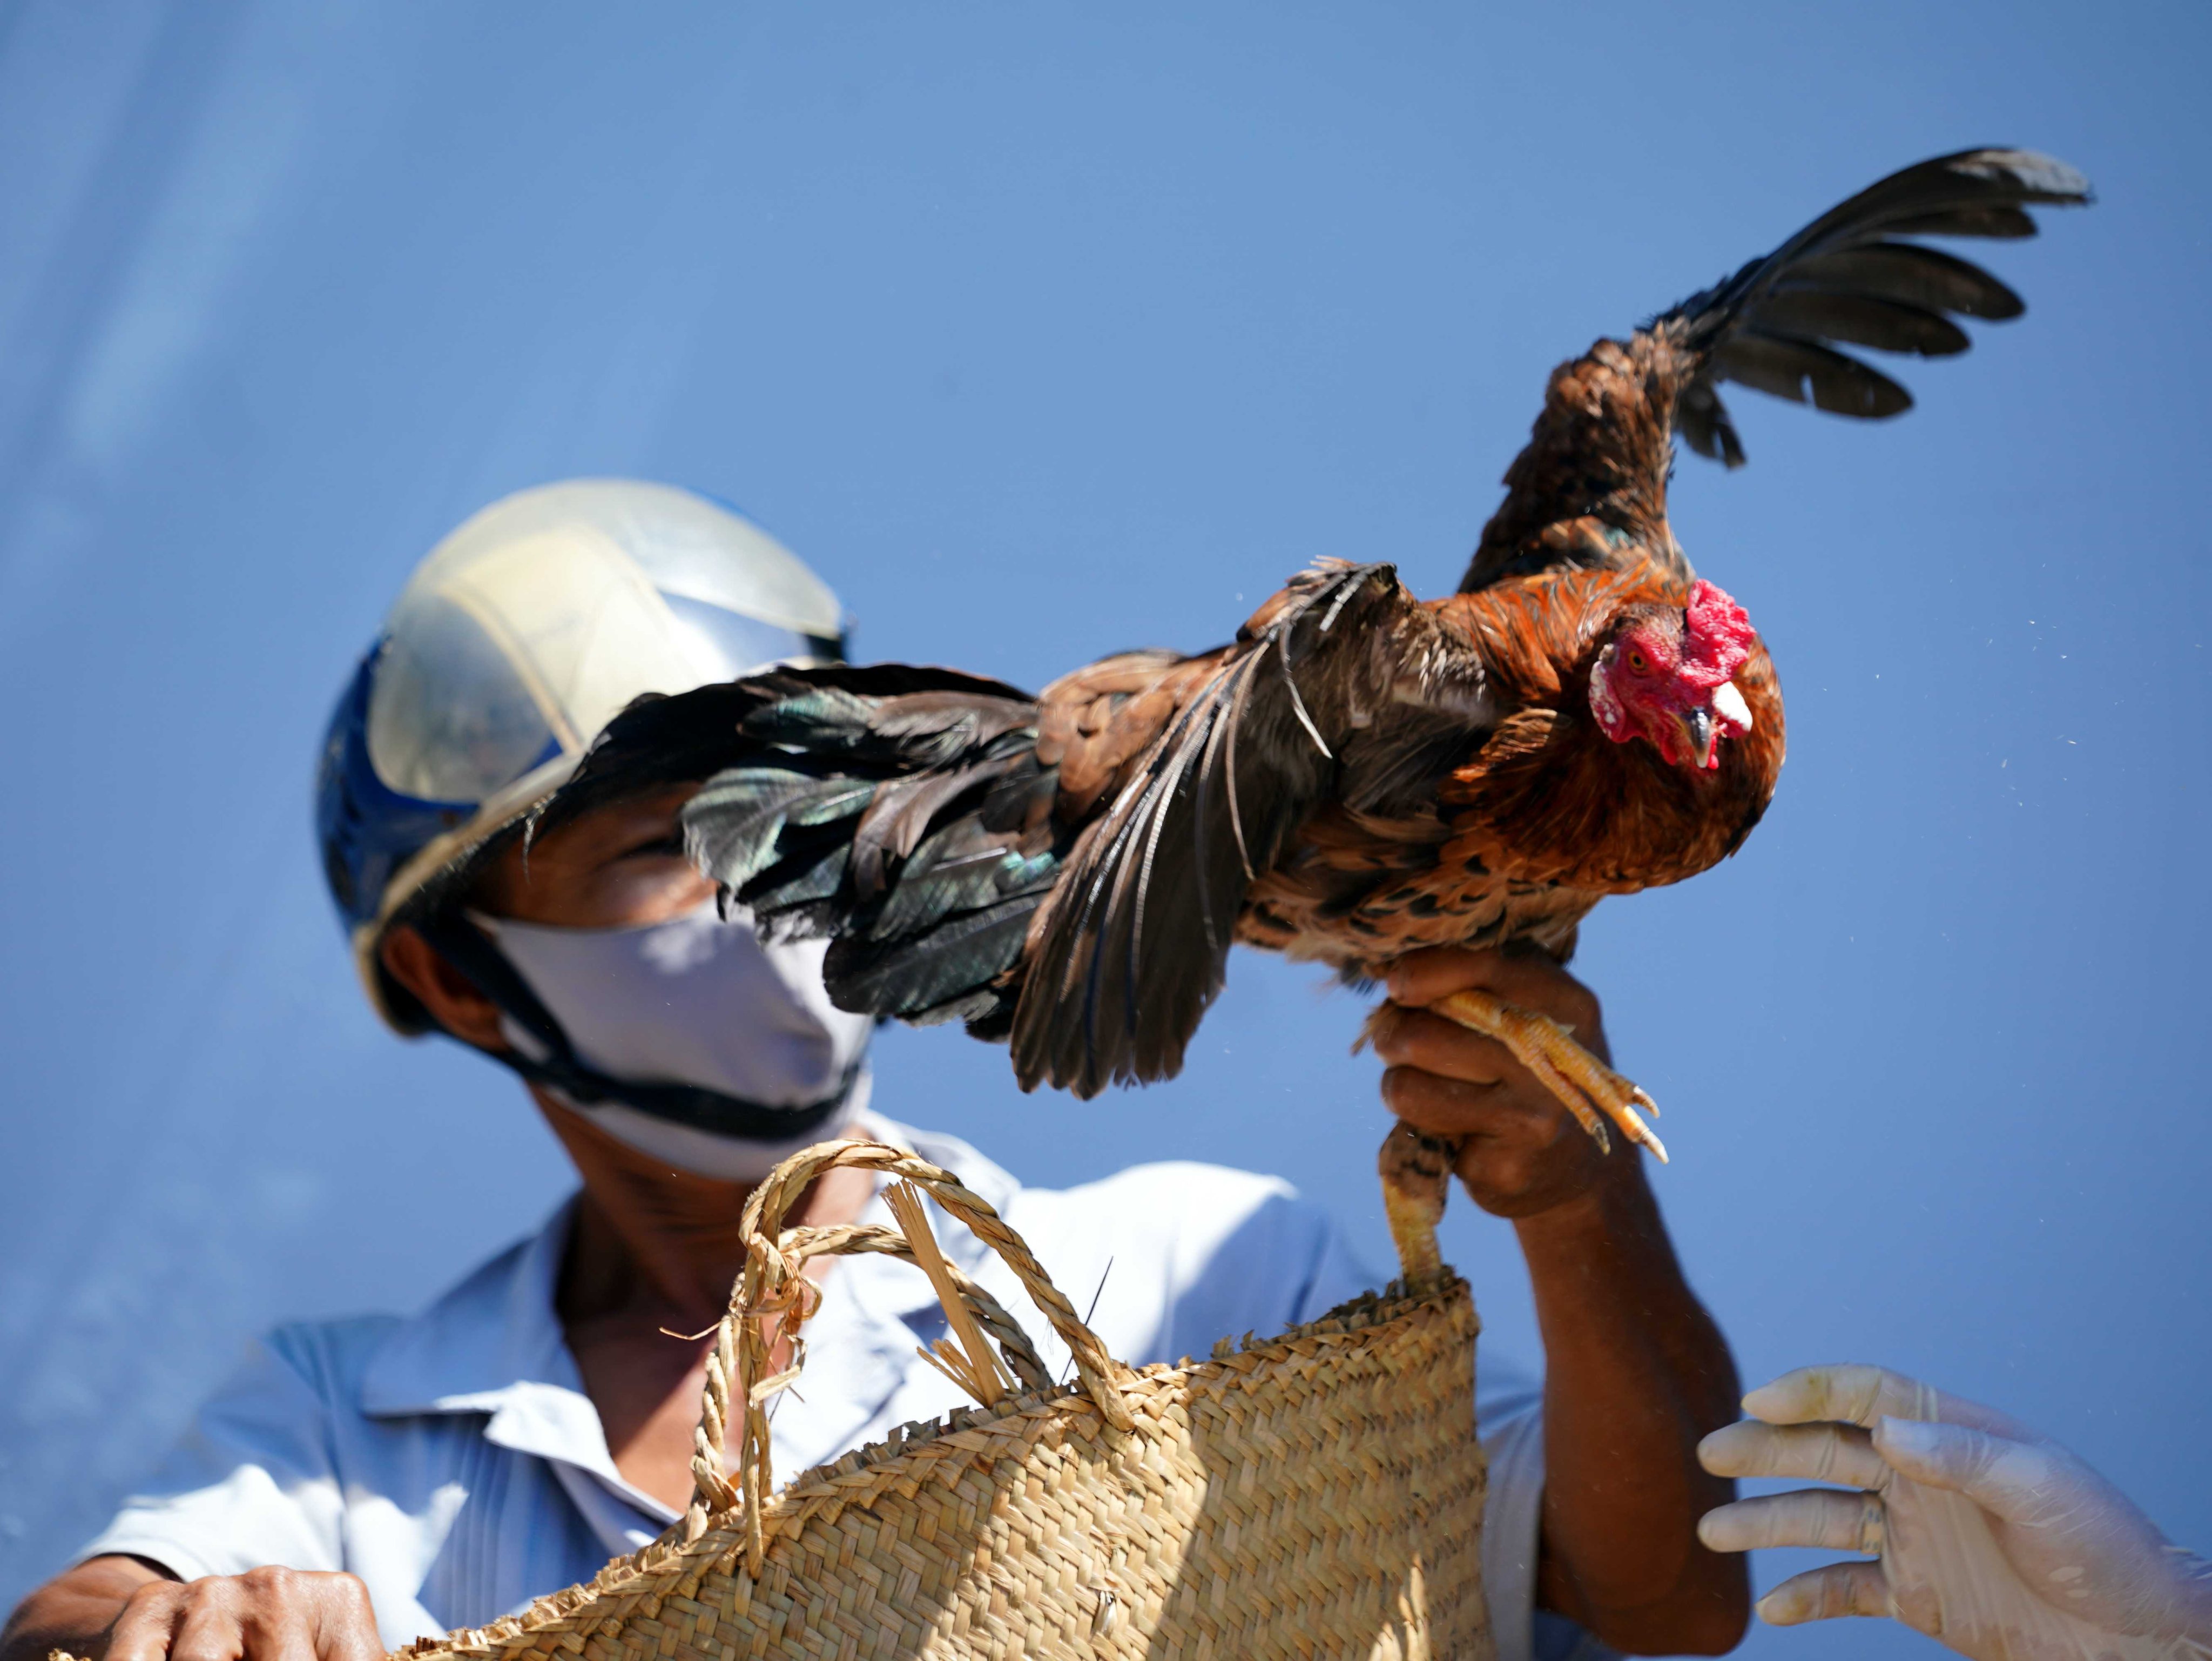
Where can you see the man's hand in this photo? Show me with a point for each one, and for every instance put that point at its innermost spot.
(119, 1609)
(1523, 1151)
(1634, 1369)
(1985, 1536)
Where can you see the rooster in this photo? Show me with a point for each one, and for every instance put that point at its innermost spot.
(1359, 773)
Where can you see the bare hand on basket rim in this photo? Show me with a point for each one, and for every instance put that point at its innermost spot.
(264, 1615)
(1523, 1153)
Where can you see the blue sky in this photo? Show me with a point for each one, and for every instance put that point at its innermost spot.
(1044, 334)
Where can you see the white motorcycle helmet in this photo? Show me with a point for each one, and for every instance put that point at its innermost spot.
(516, 641)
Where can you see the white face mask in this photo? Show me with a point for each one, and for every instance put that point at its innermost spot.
(694, 1000)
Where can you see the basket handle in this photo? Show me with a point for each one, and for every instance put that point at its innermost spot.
(854, 1239)
(1415, 1169)
(772, 1283)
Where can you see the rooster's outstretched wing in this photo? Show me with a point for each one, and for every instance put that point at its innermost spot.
(1066, 872)
(1590, 487)
(1343, 687)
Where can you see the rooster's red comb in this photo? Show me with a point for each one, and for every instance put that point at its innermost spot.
(1718, 638)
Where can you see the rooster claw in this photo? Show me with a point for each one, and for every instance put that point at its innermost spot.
(1587, 1086)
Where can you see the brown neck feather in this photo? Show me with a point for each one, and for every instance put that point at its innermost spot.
(1549, 798)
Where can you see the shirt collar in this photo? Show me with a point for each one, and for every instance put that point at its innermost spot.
(494, 1345)
(494, 1330)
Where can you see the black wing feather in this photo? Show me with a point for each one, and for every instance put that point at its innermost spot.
(1908, 274)
(1805, 372)
(1843, 279)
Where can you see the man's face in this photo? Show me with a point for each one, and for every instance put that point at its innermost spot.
(617, 867)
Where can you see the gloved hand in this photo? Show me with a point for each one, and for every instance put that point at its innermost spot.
(1987, 1537)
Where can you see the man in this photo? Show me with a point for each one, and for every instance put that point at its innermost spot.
(361, 1482)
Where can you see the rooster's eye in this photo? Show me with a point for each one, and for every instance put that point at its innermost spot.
(1637, 663)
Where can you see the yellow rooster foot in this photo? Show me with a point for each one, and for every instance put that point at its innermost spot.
(1588, 1087)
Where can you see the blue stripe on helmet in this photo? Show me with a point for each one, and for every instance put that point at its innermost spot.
(366, 828)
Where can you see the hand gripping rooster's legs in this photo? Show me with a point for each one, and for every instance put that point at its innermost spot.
(1359, 774)
(1585, 1084)
(1590, 1090)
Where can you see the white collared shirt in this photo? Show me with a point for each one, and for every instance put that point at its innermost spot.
(453, 1461)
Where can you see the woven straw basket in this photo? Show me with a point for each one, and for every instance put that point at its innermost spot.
(1317, 1494)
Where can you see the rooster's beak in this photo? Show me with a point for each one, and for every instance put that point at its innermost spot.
(1699, 731)
(1700, 735)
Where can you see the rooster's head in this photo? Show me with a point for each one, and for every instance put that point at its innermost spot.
(1666, 674)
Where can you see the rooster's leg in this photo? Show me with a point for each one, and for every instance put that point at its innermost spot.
(1585, 1084)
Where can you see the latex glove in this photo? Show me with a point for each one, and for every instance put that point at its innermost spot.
(1987, 1537)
